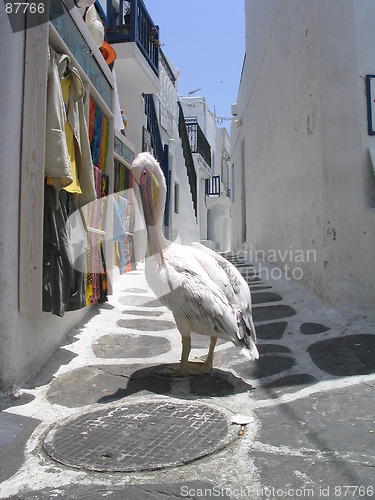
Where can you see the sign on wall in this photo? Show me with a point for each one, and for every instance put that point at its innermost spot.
(370, 85)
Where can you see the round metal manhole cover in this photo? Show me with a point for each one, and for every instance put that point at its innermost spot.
(139, 437)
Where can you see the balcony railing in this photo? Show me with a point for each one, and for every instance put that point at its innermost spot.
(160, 151)
(164, 62)
(189, 161)
(198, 142)
(214, 187)
(129, 21)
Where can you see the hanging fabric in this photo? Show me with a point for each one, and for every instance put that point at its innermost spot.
(96, 217)
(64, 286)
(58, 166)
(74, 187)
(98, 136)
(123, 227)
(69, 185)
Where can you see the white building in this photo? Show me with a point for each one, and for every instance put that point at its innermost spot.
(304, 184)
(28, 334)
(147, 93)
(182, 219)
(210, 146)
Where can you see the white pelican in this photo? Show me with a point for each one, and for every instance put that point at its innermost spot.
(206, 293)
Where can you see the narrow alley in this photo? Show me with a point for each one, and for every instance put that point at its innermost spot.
(101, 420)
(114, 169)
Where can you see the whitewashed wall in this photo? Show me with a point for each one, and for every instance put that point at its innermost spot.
(197, 107)
(182, 225)
(309, 182)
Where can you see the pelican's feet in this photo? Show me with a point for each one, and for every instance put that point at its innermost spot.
(191, 369)
(194, 368)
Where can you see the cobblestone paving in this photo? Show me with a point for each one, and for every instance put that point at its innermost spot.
(309, 400)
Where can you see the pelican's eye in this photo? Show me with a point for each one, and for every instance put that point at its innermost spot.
(143, 177)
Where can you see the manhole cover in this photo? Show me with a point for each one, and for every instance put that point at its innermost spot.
(138, 437)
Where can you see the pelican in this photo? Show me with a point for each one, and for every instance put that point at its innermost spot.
(206, 293)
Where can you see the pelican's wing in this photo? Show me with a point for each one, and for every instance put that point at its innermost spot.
(193, 295)
(239, 296)
(238, 285)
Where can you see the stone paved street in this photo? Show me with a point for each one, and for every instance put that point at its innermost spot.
(101, 419)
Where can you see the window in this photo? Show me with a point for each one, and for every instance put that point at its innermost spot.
(176, 198)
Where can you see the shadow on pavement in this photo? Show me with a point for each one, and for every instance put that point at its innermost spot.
(216, 384)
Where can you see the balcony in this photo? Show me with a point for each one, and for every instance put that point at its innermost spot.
(214, 187)
(217, 193)
(135, 39)
(199, 145)
(129, 21)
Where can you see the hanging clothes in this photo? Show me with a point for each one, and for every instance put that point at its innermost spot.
(58, 165)
(98, 136)
(74, 187)
(123, 219)
(123, 227)
(122, 177)
(69, 185)
(96, 268)
(64, 286)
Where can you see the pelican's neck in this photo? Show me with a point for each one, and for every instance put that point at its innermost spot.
(159, 206)
(159, 242)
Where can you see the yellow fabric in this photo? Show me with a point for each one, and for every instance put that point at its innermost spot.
(74, 187)
(89, 293)
(155, 189)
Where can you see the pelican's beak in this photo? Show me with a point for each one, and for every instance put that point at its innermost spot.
(147, 189)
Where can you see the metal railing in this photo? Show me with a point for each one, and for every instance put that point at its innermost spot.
(189, 162)
(214, 187)
(198, 142)
(164, 62)
(153, 127)
(129, 21)
(160, 151)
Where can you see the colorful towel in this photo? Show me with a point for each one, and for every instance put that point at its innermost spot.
(98, 136)
(96, 268)
(122, 177)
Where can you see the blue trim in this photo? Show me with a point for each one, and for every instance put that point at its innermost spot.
(101, 12)
(140, 29)
(371, 131)
(167, 175)
(151, 63)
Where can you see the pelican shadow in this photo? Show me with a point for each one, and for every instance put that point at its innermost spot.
(218, 383)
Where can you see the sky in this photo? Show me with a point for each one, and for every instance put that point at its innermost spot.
(205, 40)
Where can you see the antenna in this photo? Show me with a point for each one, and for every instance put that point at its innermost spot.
(194, 91)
